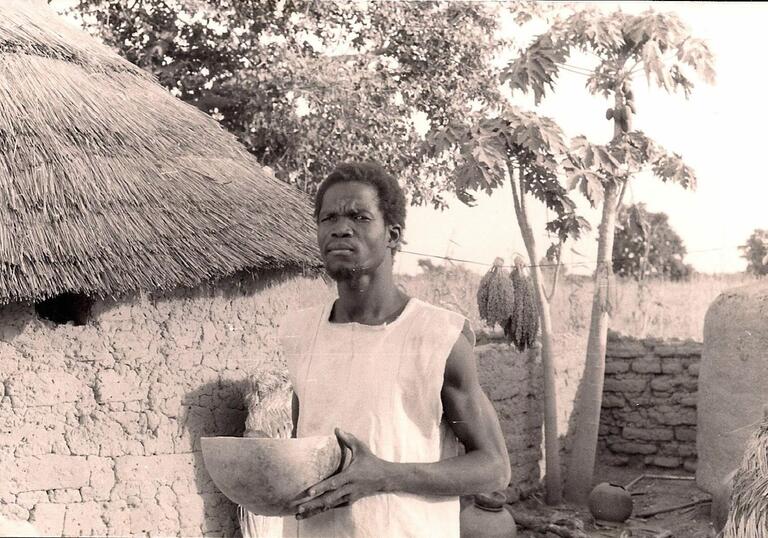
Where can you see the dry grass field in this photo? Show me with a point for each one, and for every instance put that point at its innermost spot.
(655, 308)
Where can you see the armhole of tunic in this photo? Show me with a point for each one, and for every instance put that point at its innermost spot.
(456, 325)
(467, 331)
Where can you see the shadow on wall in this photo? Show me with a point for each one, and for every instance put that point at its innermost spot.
(228, 419)
(15, 317)
(566, 440)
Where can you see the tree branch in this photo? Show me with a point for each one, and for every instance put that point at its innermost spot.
(522, 198)
(557, 271)
(515, 197)
(621, 194)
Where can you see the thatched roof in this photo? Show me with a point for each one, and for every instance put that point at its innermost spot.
(109, 184)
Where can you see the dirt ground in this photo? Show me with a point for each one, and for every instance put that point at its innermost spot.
(648, 494)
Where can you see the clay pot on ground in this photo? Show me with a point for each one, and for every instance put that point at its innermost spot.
(485, 516)
(265, 476)
(610, 502)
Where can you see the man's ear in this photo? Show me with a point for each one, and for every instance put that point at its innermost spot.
(395, 232)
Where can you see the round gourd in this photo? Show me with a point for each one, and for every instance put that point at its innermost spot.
(265, 476)
(610, 502)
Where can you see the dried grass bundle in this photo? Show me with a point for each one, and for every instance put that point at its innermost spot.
(268, 398)
(748, 514)
(109, 184)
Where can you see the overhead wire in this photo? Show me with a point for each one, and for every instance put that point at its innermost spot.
(587, 263)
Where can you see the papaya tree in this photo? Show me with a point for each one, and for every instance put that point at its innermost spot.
(528, 152)
(660, 46)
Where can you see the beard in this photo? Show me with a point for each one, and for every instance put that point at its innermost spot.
(352, 272)
(345, 273)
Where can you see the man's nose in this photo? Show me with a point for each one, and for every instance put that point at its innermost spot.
(342, 229)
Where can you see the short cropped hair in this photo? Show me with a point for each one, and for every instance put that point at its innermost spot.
(391, 197)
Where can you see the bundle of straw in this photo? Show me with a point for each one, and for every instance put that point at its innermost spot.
(748, 514)
(268, 400)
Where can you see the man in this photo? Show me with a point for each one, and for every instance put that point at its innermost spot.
(392, 376)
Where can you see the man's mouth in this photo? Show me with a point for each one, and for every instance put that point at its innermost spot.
(339, 249)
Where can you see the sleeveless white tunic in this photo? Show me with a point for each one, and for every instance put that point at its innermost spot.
(381, 383)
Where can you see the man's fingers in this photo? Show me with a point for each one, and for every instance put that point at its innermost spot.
(329, 484)
(328, 501)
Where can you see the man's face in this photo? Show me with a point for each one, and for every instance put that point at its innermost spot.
(351, 232)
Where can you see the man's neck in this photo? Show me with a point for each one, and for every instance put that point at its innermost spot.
(368, 299)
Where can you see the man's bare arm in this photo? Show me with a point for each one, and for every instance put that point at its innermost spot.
(485, 465)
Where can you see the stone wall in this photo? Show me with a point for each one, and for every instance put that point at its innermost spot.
(512, 382)
(649, 402)
(100, 423)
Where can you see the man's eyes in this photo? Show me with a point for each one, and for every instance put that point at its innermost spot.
(354, 217)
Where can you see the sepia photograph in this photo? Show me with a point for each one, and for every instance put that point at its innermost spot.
(383, 269)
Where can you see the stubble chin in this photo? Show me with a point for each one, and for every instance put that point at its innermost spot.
(341, 274)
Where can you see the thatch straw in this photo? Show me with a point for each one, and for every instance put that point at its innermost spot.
(748, 514)
(109, 184)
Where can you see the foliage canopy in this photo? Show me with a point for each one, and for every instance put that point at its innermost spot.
(646, 245)
(306, 84)
(756, 252)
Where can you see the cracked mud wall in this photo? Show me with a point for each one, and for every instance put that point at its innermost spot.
(100, 424)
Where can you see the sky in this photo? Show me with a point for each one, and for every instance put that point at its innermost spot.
(718, 131)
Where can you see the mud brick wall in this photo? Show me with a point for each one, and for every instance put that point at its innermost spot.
(649, 402)
(100, 424)
(513, 383)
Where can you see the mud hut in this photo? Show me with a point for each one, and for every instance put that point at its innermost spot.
(145, 256)
(733, 377)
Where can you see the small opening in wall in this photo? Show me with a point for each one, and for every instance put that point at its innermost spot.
(66, 308)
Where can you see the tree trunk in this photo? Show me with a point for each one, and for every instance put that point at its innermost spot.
(553, 482)
(581, 460)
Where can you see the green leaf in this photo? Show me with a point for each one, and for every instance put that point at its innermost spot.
(536, 68)
(695, 53)
(486, 155)
(653, 64)
(670, 167)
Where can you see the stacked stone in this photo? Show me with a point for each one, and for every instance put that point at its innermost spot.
(512, 382)
(649, 403)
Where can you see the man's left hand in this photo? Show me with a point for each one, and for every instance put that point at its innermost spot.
(364, 476)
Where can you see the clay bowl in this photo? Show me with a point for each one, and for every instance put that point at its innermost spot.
(266, 475)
